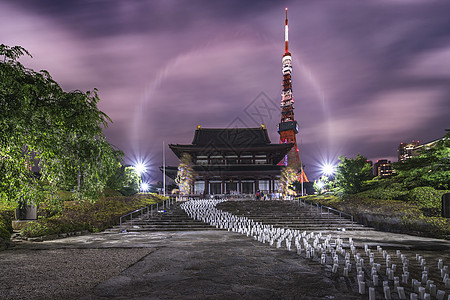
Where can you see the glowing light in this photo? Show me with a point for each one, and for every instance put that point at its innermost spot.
(144, 186)
(140, 168)
(320, 184)
(328, 169)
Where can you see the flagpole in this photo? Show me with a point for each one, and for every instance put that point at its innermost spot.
(164, 170)
(301, 164)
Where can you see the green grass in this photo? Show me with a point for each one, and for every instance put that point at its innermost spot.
(84, 215)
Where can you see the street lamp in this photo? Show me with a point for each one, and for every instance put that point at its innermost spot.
(144, 187)
(328, 169)
(140, 168)
(320, 185)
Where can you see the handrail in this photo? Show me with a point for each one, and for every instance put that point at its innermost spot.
(321, 207)
(165, 204)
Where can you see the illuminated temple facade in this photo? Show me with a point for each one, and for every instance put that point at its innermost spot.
(233, 161)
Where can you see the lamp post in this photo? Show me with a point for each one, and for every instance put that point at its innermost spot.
(164, 170)
(140, 168)
(301, 177)
(144, 187)
(328, 169)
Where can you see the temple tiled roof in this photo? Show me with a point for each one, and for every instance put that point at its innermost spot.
(213, 141)
(231, 137)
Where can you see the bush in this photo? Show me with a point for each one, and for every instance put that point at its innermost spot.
(85, 215)
(389, 215)
(427, 197)
(5, 234)
(391, 192)
(6, 217)
(108, 192)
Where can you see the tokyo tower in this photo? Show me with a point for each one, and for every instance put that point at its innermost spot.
(288, 127)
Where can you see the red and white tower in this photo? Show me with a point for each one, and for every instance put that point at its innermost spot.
(288, 127)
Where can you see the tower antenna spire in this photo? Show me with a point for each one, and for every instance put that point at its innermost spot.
(286, 34)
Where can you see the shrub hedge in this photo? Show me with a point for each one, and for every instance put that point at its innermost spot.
(393, 192)
(427, 197)
(388, 215)
(6, 217)
(84, 215)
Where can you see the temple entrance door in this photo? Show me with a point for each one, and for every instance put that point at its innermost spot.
(215, 188)
(248, 187)
(199, 187)
(264, 186)
(231, 187)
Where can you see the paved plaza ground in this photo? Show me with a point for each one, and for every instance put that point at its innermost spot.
(175, 265)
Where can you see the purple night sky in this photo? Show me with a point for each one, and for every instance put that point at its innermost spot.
(367, 74)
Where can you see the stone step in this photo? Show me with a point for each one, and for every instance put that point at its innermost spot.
(170, 229)
(170, 226)
(275, 224)
(318, 220)
(288, 214)
(281, 214)
(172, 219)
(179, 224)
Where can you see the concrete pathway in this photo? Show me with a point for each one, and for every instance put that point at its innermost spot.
(209, 264)
(220, 265)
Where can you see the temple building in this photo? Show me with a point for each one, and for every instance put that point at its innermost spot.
(233, 161)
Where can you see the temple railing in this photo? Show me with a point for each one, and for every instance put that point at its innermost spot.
(320, 209)
(146, 212)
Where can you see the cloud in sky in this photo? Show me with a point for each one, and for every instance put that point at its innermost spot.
(367, 75)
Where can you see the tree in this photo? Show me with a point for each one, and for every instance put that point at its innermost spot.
(352, 173)
(289, 177)
(61, 131)
(430, 168)
(323, 184)
(185, 175)
(126, 180)
(289, 180)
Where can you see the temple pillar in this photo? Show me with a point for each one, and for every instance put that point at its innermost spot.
(240, 186)
(206, 186)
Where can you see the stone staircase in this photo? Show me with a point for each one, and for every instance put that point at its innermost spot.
(171, 219)
(284, 214)
(290, 214)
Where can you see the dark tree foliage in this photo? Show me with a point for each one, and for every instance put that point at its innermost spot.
(352, 174)
(60, 131)
(430, 168)
(126, 180)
